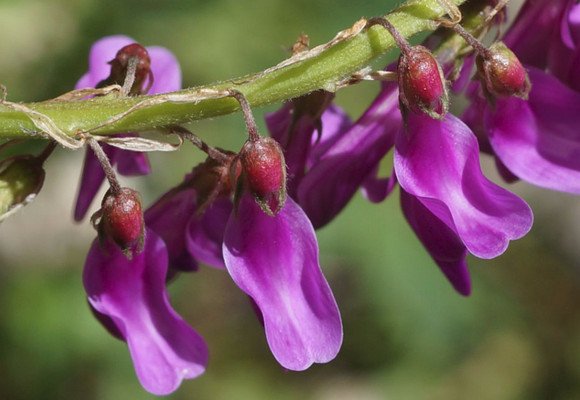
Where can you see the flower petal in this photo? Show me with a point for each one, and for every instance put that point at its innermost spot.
(132, 163)
(168, 217)
(335, 123)
(332, 182)
(166, 70)
(564, 49)
(275, 261)
(165, 350)
(204, 235)
(376, 189)
(534, 27)
(304, 146)
(441, 242)
(539, 140)
(438, 162)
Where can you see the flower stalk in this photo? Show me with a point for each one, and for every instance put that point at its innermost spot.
(322, 67)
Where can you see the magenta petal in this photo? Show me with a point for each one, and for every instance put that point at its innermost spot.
(204, 235)
(438, 162)
(539, 140)
(296, 144)
(530, 34)
(564, 49)
(305, 145)
(335, 123)
(332, 182)
(132, 163)
(441, 242)
(275, 261)
(165, 350)
(376, 189)
(168, 217)
(166, 70)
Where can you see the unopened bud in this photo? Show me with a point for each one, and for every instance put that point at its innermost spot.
(122, 220)
(421, 83)
(502, 73)
(21, 179)
(120, 64)
(264, 169)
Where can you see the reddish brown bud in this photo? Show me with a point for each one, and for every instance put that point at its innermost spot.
(421, 83)
(264, 170)
(120, 64)
(502, 73)
(122, 219)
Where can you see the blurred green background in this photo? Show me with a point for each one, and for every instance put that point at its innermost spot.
(407, 334)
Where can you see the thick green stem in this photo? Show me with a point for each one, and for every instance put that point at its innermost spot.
(324, 70)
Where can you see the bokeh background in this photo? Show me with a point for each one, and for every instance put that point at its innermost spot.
(408, 335)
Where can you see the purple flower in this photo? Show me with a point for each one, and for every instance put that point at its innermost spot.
(167, 78)
(191, 236)
(538, 140)
(274, 260)
(443, 188)
(451, 206)
(130, 297)
(304, 138)
(341, 160)
(191, 218)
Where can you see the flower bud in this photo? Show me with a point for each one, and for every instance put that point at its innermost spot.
(421, 83)
(501, 72)
(122, 220)
(21, 179)
(264, 169)
(120, 64)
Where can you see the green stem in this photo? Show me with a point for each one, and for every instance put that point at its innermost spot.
(322, 71)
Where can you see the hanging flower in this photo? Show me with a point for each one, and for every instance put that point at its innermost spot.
(537, 140)
(274, 260)
(129, 295)
(166, 73)
(443, 188)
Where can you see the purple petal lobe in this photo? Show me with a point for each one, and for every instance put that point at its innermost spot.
(441, 242)
(539, 140)
(438, 162)
(376, 189)
(165, 350)
(564, 49)
(275, 261)
(133, 163)
(166, 70)
(529, 36)
(204, 234)
(333, 181)
(301, 142)
(168, 217)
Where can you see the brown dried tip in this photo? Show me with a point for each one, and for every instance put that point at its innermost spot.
(120, 64)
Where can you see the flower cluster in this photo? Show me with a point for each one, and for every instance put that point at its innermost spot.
(253, 213)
